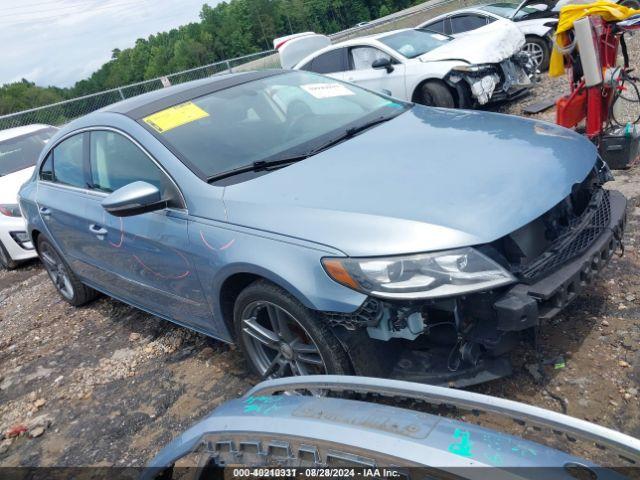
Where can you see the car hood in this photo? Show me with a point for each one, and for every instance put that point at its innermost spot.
(490, 44)
(11, 183)
(429, 179)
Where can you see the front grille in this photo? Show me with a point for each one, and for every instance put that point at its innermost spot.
(580, 234)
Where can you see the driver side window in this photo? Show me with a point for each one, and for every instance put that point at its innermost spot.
(363, 57)
(116, 161)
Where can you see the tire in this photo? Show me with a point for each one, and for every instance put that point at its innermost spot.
(435, 94)
(296, 343)
(67, 284)
(539, 49)
(5, 260)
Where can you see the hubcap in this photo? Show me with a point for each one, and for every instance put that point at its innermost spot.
(57, 271)
(535, 52)
(277, 343)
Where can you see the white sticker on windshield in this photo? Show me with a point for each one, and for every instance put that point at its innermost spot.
(327, 90)
(437, 36)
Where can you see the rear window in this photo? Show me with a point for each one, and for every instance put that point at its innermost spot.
(22, 152)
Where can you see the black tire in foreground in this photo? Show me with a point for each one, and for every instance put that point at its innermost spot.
(68, 285)
(436, 94)
(281, 337)
(5, 259)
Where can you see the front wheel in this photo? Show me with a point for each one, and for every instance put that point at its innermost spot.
(280, 337)
(435, 94)
(538, 50)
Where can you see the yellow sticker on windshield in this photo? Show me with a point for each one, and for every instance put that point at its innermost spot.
(173, 117)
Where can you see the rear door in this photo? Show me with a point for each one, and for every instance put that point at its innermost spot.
(463, 23)
(362, 73)
(144, 259)
(332, 63)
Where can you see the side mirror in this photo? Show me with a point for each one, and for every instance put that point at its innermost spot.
(383, 63)
(134, 199)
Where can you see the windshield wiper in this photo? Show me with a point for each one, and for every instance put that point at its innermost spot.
(348, 133)
(281, 162)
(258, 166)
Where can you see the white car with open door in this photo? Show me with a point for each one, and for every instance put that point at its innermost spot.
(534, 18)
(421, 66)
(19, 151)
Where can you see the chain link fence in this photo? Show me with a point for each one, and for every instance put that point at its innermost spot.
(65, 111)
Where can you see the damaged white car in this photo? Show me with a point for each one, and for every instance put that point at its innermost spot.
(421, 66)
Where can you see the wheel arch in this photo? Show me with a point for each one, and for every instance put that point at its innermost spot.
(237, 279)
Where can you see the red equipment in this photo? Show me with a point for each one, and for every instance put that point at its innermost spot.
(591, 103)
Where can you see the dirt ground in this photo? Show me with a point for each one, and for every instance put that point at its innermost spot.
(109, 385)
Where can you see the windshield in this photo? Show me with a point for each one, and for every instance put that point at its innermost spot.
(23, 151)
(265, 120)
(413, 43)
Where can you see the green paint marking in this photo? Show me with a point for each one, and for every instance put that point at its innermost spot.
(463, 447)
(262, 404)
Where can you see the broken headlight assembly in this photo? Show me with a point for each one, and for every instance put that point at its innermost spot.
(419, 276)
(10, 210)
(482, 68)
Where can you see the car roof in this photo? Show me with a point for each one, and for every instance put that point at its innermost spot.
(147, 103)
(10, 133)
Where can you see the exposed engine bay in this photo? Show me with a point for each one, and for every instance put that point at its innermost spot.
(462, 340)
(495, 82)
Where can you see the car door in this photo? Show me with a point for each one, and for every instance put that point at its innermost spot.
(467, 22)
(332, 63)
(61, 199)
(362, 73)
(143, 259)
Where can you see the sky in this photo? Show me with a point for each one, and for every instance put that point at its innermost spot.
(58, 42)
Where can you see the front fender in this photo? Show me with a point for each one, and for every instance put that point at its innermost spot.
(222, 251)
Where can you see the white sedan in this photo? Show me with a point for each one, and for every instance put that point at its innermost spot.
(534, 18)
(421, 66)
(19, 151)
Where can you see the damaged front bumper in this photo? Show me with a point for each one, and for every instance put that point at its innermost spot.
(463, 340)
(490, 83)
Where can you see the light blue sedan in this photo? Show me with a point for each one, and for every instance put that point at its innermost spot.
(323, 227)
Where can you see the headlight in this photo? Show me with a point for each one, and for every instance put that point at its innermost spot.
(10, 210)
(425, 275)
(472, 68)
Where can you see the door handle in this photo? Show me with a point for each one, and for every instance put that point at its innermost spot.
(45, 212)
(97, 230)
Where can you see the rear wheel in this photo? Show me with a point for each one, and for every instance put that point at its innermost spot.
(538, 49)
(5, 259)
(280, 337)
(65, 281)
(435, 94)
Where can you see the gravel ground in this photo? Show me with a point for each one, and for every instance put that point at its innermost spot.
(109, 385)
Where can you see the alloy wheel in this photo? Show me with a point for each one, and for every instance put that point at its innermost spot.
(535, 51)
(277, 343)
(57, 271)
